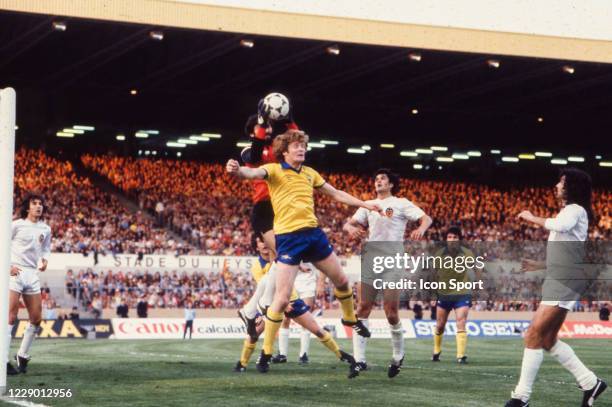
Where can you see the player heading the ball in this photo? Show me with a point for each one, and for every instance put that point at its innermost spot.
(298, 236)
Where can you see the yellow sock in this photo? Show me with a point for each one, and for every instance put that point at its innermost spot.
(461, 343)
(273, 323)
(330, 344)
(437, 342)
(247, 351)
(346, 303)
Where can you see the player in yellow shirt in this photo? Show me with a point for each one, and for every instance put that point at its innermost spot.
(297, 310)
(298, 237)
(449, 300)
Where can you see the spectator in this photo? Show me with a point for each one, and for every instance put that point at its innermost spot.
(49, 310)
(604, 313)
(142, 307)
(418, 311)
(74, 314)
(122, 309)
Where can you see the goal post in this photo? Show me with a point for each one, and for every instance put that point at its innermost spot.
(7, 167)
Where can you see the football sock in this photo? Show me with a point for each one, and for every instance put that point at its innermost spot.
(532, 359)
(461, 343)
(250, 308)
(273, 323)
(330, 344)
(568, 359)
(346, 303)
(304, 341)
(26, 342)
(397, 341)
(283, 341)
(437, 337)
(359, 344)
(247, 351)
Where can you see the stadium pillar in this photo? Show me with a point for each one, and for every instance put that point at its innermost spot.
(7, 167)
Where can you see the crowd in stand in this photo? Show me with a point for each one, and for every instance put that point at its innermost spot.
(83, 218)
(211, 209)
(96, 290)
(169, 289)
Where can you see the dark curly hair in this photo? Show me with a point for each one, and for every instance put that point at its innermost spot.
(455, 230)
(393, 178)
(578, 189)
(25, 204)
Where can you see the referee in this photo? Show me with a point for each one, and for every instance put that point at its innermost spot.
(189, 317)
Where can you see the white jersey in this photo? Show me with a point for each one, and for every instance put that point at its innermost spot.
(392, 226)
(570, 225)
(306, 281)
(190, 314)
(30, 243)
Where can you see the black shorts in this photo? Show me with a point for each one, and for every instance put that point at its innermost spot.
(262, 217)
(189, 325)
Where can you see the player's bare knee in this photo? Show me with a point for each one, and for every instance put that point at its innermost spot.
(461, 324)
(392, 313)
(533, 339)
(342, 283)
(12, 318)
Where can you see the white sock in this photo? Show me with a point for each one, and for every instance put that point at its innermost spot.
(304, 341)
(268, 294)
(8, 344)
(26, 342)
(359, 345)
(568, 359)
(532, 359)
(250, 308)
(397, 341)
(283, 341)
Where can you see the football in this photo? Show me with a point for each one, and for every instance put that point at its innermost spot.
(276, 106)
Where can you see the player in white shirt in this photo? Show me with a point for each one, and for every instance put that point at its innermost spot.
(390, 227)
(306, 284)
(190, 315)
(571, 225)
(30, 249)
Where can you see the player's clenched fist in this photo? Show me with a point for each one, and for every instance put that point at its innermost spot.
(232, 166)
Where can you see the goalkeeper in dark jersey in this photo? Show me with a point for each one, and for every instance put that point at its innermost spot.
(262, 128)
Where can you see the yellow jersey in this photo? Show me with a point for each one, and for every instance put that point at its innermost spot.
(260, 268)
(291, 194)
(447, 274)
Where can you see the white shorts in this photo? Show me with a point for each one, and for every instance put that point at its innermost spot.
(26, 282)
(306, 284)
(568, 305)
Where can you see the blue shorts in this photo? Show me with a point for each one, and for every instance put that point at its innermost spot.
(307, 245)
(457, 301)
(298, 308)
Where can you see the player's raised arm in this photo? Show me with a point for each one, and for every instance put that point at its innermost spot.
(234, 168)
(346, 198)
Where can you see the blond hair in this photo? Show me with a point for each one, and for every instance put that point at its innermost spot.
(281, 143)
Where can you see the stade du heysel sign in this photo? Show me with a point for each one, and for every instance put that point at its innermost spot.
(61, 261)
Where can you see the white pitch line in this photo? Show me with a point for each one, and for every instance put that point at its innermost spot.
(23, 403)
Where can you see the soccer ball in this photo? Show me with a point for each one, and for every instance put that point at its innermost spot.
(276, 106)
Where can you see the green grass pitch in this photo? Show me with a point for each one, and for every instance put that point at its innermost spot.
(199, 372)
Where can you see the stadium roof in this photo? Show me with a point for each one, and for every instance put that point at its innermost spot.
(192, 82)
